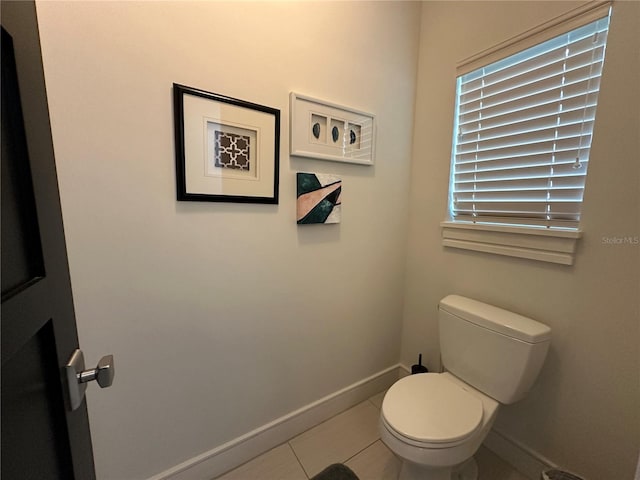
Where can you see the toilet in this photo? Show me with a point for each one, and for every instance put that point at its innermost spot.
(435, 422)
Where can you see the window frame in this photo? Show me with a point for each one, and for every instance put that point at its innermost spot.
(542, 243)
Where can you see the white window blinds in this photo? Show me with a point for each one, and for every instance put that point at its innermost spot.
(523, 131)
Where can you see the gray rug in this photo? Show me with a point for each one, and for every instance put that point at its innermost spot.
(337, 471)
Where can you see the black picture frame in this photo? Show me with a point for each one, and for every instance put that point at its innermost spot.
(227, 149)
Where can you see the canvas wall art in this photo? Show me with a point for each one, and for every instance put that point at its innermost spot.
(319, 198)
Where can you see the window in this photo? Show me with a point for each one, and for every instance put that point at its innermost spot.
(522, 135)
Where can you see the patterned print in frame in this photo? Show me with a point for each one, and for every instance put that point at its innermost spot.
(231, 151)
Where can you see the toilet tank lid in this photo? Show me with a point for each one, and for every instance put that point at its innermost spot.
(496, 319)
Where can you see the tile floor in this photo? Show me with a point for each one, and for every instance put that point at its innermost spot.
(350, 437)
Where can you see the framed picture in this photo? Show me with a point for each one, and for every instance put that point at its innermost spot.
(227, 150)
(319, 198)
(327, 131)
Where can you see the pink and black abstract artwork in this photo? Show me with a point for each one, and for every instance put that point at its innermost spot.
(319, 198)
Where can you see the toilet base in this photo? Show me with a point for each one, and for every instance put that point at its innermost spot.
(413, 471)
(466, 471)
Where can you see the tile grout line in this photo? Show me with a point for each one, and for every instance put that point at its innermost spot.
(360, 451)
(363, 449)
(372, 443)
(288, 442)
(298, 460)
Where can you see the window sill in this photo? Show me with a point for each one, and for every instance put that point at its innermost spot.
(534, 243)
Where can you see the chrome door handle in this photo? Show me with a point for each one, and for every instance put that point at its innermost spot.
(103, 373)
(77, 376)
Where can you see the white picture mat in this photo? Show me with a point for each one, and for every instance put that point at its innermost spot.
(304, 144)
(199, 110)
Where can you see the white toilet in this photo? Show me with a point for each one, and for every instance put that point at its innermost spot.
(435, 422)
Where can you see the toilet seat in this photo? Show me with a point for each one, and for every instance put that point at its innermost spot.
(430, 411)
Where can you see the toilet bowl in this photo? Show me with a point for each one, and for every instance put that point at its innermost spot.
(435, 423)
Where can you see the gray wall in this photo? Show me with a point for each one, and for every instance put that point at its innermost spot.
(584, 411)
(156, 282)
(224, 317)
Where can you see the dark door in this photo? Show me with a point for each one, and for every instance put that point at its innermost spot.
(41, 437)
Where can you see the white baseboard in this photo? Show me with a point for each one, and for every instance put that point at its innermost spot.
(234, 453)
(531, 464)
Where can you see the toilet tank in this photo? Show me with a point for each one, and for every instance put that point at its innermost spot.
(496, 351)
